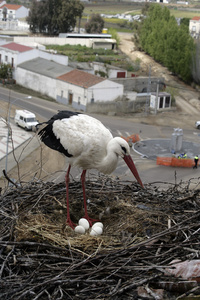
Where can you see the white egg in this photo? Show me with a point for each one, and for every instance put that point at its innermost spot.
(99, 224)
(96, 231)
(79, 229)
(83, 222)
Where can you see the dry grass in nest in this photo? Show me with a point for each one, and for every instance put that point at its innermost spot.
(144, 230)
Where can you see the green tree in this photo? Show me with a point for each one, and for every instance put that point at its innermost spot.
(95, 24)
(54, 16)
(114, 34)
(5, 71)
(68, 9)
(196, 63)
(160, 36)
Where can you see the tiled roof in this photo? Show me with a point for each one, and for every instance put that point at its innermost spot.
(196, 18)
(81, 78)
(11, 6)
(16, 47)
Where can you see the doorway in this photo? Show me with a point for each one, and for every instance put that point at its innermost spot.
(70, 97)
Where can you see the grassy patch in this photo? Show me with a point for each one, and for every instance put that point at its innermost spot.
(83, 54)
(110, 8)
(184, 13)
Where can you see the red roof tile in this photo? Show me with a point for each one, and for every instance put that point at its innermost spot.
(81, 78)
(16, 47)
(196, 18)
(12, 6)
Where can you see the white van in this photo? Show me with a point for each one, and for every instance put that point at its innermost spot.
(25, 119)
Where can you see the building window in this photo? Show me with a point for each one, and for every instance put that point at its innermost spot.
(61, 94)
(79, 100)
(167, 101)
(161, 102)
(6, 58)
(194, 28)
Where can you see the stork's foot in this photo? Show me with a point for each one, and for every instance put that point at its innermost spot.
(90, 220)
(70, 223)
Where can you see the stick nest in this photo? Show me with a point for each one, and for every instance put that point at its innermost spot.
(144, 230)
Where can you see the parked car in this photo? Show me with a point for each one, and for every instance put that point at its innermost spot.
(26, 119)
(197, 124)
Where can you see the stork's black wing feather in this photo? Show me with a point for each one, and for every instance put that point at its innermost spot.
(48, 137)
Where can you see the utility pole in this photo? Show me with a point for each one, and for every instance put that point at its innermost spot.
(148, 91)
(156, 102)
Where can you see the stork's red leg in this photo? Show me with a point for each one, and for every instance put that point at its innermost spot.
(84, 198)
(69, 221)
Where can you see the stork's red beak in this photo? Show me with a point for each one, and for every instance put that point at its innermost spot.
(128, 160)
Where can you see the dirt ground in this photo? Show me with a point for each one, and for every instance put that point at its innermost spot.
(187, 98)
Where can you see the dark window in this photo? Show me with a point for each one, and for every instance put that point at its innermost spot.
(161, 102)
(167, 101)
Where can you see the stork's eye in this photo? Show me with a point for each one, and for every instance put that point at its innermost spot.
(123, 149)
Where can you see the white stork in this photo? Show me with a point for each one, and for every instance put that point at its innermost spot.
(88, 144)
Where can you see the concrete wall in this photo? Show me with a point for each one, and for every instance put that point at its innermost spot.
(88, 42)
(138, 84)
(52, 41)
(36, 82)
(60, 59)
(123, 106)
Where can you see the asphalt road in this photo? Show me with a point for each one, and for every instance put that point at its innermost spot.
(119, 126)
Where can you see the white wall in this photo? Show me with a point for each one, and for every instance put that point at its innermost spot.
(106, 91)
(60, 59)
(102, 92)
(194, 27)
(22, 12)
(79, 95)
(36, 82)
(20, 57)
(25, 56)
(52, 41)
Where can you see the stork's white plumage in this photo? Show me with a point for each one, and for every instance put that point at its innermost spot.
(86, 143)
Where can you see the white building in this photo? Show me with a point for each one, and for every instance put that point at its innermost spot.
(78, 88)
(108, 70)
(14, 54)
(2, 3)
(194, 27)
(40, 74)
(66, 85)
(160, 101)
(13, 12)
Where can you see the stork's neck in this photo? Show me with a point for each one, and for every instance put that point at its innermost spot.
(109, 162)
